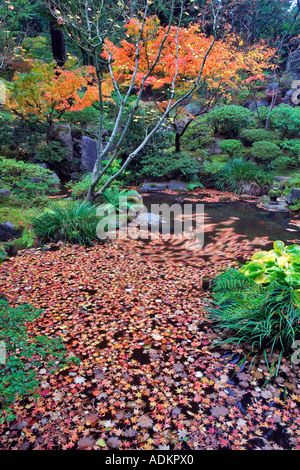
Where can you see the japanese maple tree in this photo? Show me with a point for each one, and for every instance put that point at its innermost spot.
(47, 92)
(229, 66)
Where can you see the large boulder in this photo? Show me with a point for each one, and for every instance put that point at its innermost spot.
(178, 185)
(88, 154)
(62, 134)
(273, 93)
(4, 192)
(293, 65)
(253, 105)
(8, 232)
(294, 196)
(153, 187)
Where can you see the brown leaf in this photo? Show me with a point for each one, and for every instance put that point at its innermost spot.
(145, 422)
(218, 411)
(85, 442)
(91, 419)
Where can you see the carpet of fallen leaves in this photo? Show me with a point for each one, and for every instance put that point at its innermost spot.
(135, 315)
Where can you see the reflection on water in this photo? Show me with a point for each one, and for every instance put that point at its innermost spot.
(245, 218)
(233, 232)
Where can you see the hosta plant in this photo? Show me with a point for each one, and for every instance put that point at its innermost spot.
(282, 264)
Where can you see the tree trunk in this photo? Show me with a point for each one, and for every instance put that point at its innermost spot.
(177, 142)
(58, 45)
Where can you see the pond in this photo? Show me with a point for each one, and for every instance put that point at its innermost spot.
(233, 231)
(245, 218)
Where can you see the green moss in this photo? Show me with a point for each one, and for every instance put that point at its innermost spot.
(22, 217)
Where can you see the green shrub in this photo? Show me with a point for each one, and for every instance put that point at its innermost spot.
(265, 152)
(112, 196)
(53, 152)
(285, 120)
(291, 158)
(238, 172)
(22, 355)
(228, 120)
(249, 136)
(28, 183)
(170, 166)
(75, 223)
(211, 168)
(260, 301)
(274, 193)
(232, 147)
(19, 138)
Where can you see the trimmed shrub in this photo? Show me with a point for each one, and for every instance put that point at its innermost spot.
(291, 158)
(228, 120)
(28, 183)
(51, 153)
(232, 147)
(249, 136)
(170, 166)
(265, 152)
(285, 120)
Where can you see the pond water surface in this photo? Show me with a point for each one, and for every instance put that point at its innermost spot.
(245, 218)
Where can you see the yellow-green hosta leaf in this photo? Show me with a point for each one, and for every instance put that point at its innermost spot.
(283, 261)
(259, 255)
(278, 245)
(294, 250)
(261, 279)
(253, 268)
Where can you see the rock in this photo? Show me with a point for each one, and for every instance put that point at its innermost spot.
(252, 189)
(75, 176)
(62, 134)
(7, 232)
(178, 185)
(271, 91)
(279, 206)
(282, 178)
(11, 250)
(294, 196)
(213, 147)
(54, 180)
(260, 103)
(152, 187)
(293, 65)
(43, 165)
(88, 154)
(148, 219)
(4, 192)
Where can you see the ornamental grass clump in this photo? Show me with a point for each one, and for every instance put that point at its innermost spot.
(75, 223)
(259, 304)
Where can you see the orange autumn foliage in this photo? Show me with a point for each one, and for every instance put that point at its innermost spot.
(47, 92)
(227, 65)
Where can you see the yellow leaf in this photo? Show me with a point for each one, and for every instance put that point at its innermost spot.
(101, 443)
